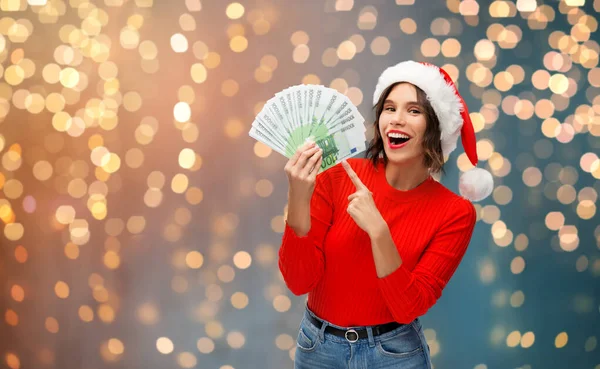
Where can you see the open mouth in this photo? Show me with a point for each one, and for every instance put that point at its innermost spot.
(397, 139)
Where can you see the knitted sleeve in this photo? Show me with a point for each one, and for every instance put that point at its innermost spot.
(301, 259)
(410, 293)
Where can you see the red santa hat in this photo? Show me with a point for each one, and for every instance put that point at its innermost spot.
(476, 184)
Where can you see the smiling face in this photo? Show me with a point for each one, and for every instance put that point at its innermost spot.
(402, 125)
(400, 118)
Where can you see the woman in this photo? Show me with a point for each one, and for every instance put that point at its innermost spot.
(374, 241)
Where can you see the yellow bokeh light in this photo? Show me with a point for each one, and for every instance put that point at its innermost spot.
(517, 299)
(148, 50)
(430, 47)
(239, 300)
(561, 340)
(182, 112)
(14, 231)
(61, 289)
(65, 214)
(586, 209)
(555, 220)
(527, 340)
(164, 345)
(179, 43)
(112, 260)
(558, 83)
(194, 195)
(187, 22)
(408, 26)
(106, 313)
(367, 19)
(261, 150)
(179, 183)
(86, 314)
(113, 163)
(517, 265)
(485, 50)
(234, 11)
(14, 75)
(329, 57)
(13, 189)
(95, 141)
(206, 345)
(282, 303)
(238, 44)
(115, 346)
(513, 339)
(299, 38)
(17, 293)
(300, 55)
(212, 60)
(71, 251)
(194, 260)
(52, 325)
(187, 158)
(242, 260)
(451, 48)
(186, 360)
(69, 77)
(380, 45)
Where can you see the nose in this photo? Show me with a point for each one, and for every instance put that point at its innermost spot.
(397, 121)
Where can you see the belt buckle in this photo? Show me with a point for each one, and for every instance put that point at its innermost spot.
(351, 331)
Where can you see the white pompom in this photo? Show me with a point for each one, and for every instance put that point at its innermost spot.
(476, 184)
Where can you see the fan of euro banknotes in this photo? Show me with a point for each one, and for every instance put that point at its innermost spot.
(311, 112)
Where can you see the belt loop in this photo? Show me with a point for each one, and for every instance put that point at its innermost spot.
(370, 336)
(322, 331)
(415, 325)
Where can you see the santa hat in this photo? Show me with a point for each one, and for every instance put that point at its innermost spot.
(476, 184)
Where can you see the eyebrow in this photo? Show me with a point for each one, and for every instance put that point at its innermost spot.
(407, 103)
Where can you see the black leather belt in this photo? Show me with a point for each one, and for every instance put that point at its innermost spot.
(353, 335)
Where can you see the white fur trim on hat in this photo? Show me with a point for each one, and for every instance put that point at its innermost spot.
(476, 184)
(441, 95)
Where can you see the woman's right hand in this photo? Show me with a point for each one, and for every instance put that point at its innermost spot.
(301, 170)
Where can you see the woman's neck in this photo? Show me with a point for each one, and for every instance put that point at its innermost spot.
(404, 177)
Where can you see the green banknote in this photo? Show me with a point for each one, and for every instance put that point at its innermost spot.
(311, 112)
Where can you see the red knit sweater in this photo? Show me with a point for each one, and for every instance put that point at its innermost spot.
(431, 228)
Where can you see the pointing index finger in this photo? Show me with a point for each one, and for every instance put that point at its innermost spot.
(353, 176)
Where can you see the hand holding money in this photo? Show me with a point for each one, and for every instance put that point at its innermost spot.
(301, 170)
(312, 112)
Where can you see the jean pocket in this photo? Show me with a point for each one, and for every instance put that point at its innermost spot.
(307, 339)
(404, 344)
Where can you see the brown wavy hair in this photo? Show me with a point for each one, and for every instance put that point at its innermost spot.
(432, 144)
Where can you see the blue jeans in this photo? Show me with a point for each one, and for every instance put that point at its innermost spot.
(403, 348)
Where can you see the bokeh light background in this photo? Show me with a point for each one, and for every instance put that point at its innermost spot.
(140, 223)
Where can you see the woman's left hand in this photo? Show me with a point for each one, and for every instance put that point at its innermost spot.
(361, 206)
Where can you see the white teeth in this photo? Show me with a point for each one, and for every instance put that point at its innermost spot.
(397, 135)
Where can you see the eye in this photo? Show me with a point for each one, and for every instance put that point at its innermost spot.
(414, 111)
(389, 107)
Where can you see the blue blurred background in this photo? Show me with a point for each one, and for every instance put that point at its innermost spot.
(140, 223)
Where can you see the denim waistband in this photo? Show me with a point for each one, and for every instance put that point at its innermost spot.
(414, 324)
